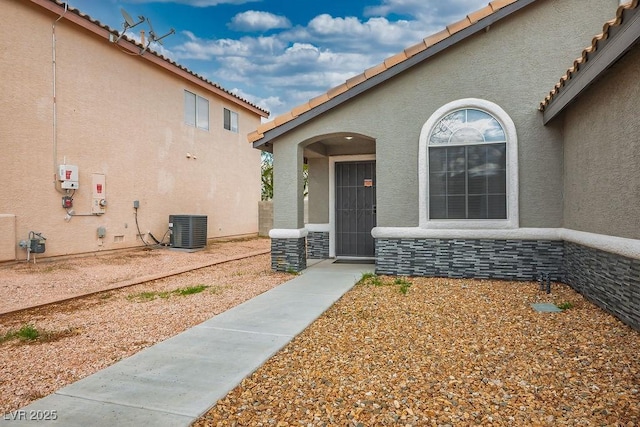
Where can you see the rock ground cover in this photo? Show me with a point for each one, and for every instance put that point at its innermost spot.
(393, 351)
(80, 337)
(27, 284)
(447, 352)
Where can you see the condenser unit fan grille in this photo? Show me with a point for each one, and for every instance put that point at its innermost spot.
(188, 231)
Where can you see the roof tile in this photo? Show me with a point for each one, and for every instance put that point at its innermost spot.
(593, 47)
(437, 37)
(356, 80)
(318, 100)
(255, 136)
(332, 93)
(301, 109)
(429, 41)
(125, 37)
(415, 49)
(395, 59)
(283, 118)
(480, 14)
(499, 4)
(375, 70)
(459, 26)
(266, 127)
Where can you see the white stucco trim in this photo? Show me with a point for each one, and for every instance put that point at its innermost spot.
(332, 194)
(509, 127)
(618, 245)
(426, 233)
(318, 228)
(288, 233)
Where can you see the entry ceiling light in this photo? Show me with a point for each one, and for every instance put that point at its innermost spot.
(348, 137)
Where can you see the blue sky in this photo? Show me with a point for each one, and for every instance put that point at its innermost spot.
(281, 53)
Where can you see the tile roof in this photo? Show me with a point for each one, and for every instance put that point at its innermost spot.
(216, 88)
(399, 58)
(588, 52)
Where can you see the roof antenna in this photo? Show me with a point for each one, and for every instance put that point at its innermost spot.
(128, 23)
(154, 38)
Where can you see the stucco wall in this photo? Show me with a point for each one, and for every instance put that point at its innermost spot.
(120, 116)
(602, 154)
(514, 65)
(265, 217)
(319, 188)
(7, 228)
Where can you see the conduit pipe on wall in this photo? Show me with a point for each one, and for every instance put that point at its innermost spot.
(55, 112)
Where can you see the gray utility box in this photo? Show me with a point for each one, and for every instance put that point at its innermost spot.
(188, 231)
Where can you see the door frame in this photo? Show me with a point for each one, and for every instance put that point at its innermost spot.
(332, 193)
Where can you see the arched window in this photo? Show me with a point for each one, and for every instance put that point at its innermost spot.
(468, 167)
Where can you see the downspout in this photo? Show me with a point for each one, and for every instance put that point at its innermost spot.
(55, 111)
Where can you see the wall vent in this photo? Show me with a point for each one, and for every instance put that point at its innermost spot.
(188, 231)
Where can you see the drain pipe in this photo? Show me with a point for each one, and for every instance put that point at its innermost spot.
(544, 281)
(55, 111)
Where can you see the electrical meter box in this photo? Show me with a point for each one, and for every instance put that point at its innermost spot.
(68, 176)
(99, 196)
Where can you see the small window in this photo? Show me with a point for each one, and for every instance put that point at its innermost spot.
(231, 120)
(196, 110)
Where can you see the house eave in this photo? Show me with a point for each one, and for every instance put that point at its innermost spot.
(482, 25)
(84, 21)
(604, 53)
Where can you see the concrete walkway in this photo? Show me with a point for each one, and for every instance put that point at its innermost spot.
(174, 382)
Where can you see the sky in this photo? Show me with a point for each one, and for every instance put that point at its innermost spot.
(278, 54)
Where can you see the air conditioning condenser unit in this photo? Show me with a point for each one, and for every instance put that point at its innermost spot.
(188, 231)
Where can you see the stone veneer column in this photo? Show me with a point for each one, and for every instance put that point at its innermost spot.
(288, 250)
(318, 241)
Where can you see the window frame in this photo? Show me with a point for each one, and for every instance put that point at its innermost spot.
(232, 114)
(512, 220)
(196, 109)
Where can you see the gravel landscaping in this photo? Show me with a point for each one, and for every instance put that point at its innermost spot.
(80, 337)
(30, 284)
(447, 352)
(393, 351)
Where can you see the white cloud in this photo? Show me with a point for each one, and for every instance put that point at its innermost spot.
(300, 63)
(270, 103)
(432, 12)
(198, 3)
(253, 20)
(207, 50)
(291, 66)
(379, 34)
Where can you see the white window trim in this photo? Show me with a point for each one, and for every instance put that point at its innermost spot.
(503, 118)
(196, 110)
(232, 114)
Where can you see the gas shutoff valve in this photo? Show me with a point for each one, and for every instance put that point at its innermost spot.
(67, 202)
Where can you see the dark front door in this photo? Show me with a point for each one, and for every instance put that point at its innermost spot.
(355, 208)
